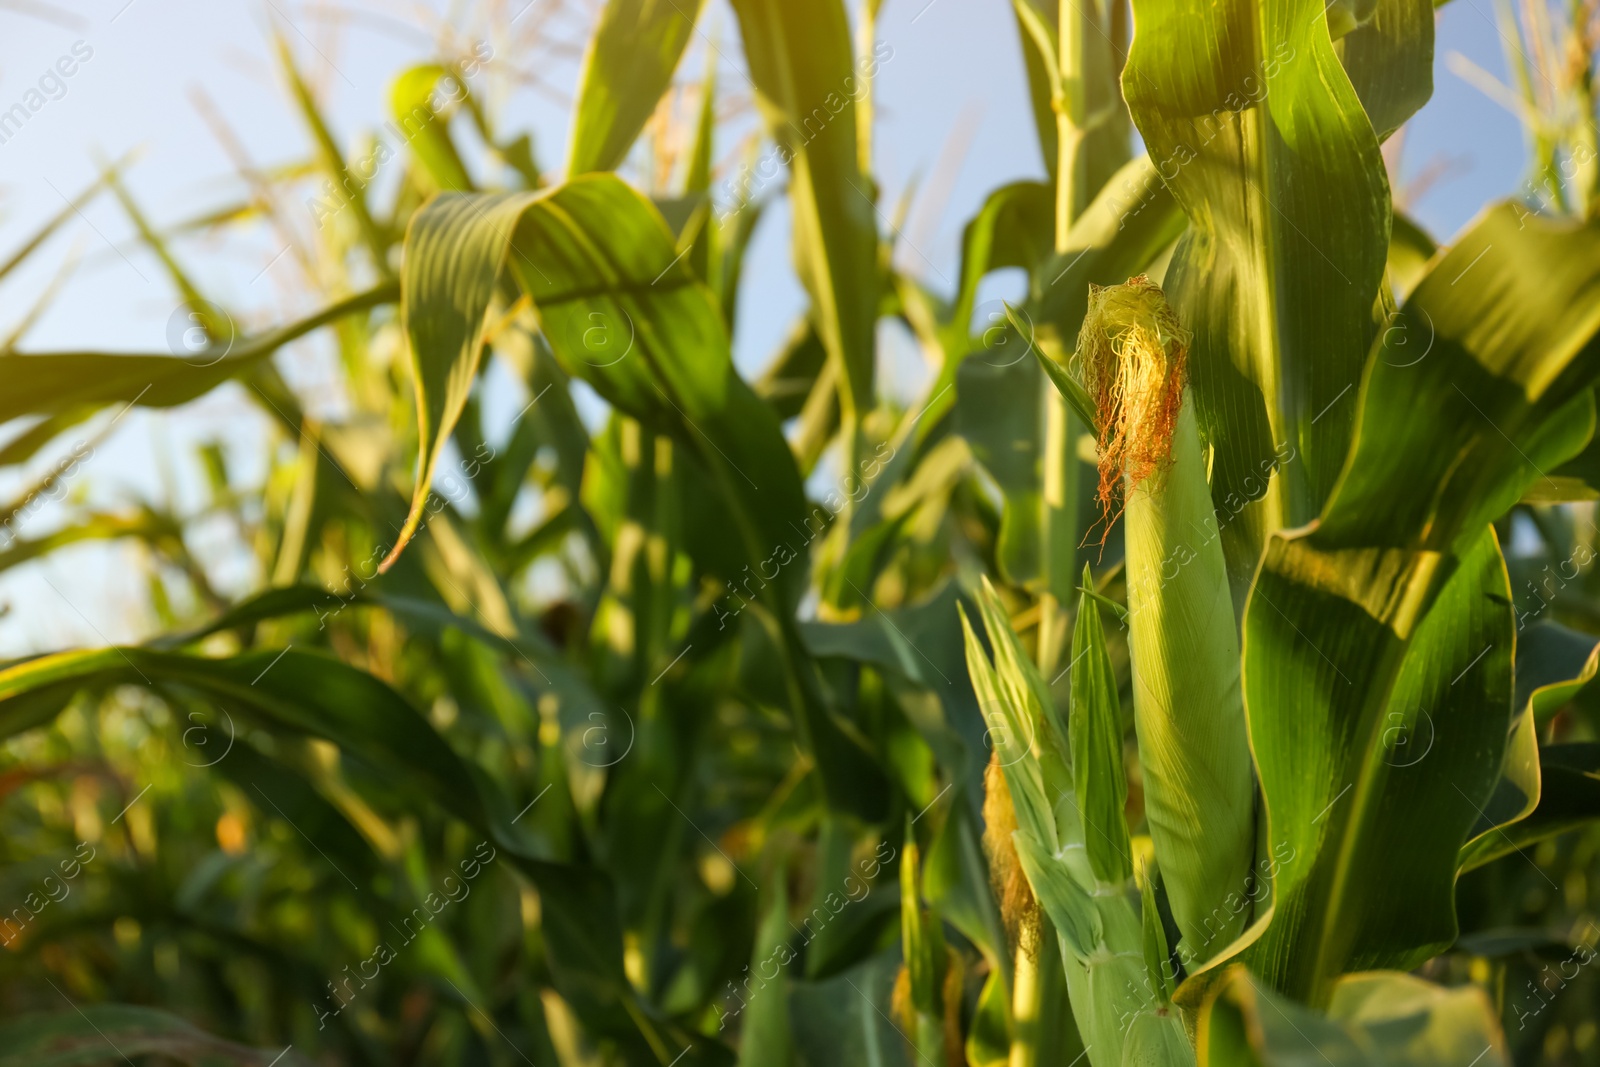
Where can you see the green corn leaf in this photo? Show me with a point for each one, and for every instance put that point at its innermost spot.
(161, 532)
(1500, 396)
(102, 1033)
(1516, 795)
(1077, 920)
(807, 80)
(922, 945)
(999, 410)
(25, 445)
(426, 131)
(1024, 687)
(1389, 58)
(455, 250)
(1380, 1017)
(1012, 229)
(735, 241)
(622, 312)
(766, 1039)
(922, 939)
(349, 190)
(1371, 678)
(1098, 777)
(1012, 730)
(1565, 795)
(628, 65)
(312, 694)
(1158, 966)
(1410, 249)
(1130, 223)
(1266, 145)
(697, 182)
(989, 1036)
(199, 308)
(957, 885)
(57, 382)
(1065, 383)
(1378, 645)
(792, 375)
(1036, 28)
(60, 218)
(1553, 666)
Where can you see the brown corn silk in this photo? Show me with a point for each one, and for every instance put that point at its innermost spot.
(1133, 356)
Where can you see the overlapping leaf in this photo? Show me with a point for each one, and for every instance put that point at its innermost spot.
(1260, 135)
(308, 693)
(622, 312)
(1378, 643)
(1379, 1017)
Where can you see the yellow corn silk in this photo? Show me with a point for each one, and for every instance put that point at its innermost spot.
(1199, 791)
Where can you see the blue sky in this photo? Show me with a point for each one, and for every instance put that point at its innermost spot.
(953, 124)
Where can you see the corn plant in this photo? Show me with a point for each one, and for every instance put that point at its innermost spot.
(1159, 686)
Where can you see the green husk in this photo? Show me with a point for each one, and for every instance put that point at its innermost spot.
(1188, 705)
(1097, 923)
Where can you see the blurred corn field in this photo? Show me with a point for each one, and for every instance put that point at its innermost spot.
(1196, 669)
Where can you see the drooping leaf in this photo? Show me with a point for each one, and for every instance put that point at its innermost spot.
(1377, 644)
(1567, 795)
(1012, 229)
(622, 312)
(1497, 386)
(57, 382)
(1554, 665)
